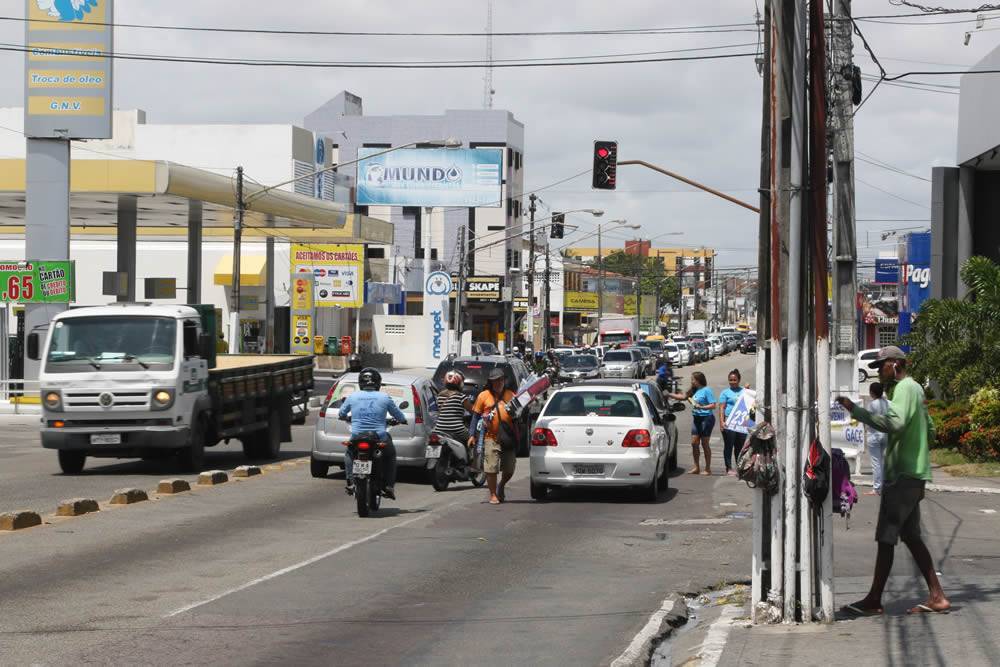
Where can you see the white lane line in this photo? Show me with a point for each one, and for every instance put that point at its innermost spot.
(718, 634)
(632, 653)
(685, 522)
(297, 566)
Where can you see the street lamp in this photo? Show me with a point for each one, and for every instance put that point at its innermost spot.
(600, 269)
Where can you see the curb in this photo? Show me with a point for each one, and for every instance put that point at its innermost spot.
(19, 520)
(171, 486)
(213, 478)
(77, 507)
(128, 496)
(246, 471)
(663, 622)
(945, 488)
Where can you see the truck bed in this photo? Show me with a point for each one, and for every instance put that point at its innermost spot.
(227, 362)
(248, 389)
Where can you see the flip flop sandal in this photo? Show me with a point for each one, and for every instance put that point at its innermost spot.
(924, 609)
(861, 611)
(502, 494)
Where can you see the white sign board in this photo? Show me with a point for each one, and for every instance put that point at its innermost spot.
(739, 419)
(437, 288)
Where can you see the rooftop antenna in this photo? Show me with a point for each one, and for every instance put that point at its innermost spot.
(488, 76)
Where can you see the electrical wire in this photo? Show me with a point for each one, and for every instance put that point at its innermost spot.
(891, 194)
(868, 159)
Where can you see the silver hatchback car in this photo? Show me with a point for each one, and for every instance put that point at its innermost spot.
(414, 395)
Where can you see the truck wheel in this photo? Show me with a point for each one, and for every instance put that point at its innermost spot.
(71, 462)
(318, 468)
(192, 457)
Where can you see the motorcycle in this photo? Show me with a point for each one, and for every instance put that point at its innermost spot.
(448, 461)
(369, 483)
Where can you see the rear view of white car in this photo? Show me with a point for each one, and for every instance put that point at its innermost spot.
(599, 436)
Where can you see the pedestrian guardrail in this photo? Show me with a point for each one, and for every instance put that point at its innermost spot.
(20, 393)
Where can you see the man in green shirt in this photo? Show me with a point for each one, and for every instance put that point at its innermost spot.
(906, 469)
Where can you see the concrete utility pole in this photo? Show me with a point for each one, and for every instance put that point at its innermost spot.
(460, 291)
(235, 331)
(531, 273)
(600, 284)
(546, 313)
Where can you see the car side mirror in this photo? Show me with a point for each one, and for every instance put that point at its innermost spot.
(678, 407)
(337, 403)
(34, 345)
(404, 405)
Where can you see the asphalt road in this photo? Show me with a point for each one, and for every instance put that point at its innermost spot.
(280, 569)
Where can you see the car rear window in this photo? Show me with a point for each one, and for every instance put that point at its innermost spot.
(618, 356)
(593, 403)
(397, 392)
(580, 361)
(475, 372)
(671, 348)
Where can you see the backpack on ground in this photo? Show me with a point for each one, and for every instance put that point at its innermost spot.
(816, 477)
(757, 464)
(844, 493)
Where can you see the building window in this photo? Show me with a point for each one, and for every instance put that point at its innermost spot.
(887, 335)
(376, 253)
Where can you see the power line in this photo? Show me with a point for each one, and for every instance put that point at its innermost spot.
(891, 194)
(868, 159)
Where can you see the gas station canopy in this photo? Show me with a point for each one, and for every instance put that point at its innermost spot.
(167, 194)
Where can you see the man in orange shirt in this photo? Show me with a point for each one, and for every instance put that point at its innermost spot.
(491, 405)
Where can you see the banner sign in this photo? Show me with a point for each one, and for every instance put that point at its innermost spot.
(37, 281)
(739, 419)
(520, 304)
(67, 69)
(914, 278)
(886, 271)
(302, 325)
(579, 302)
(430, 177)
(437, 288)
(337, 269)
(479, 288)
(383, 293)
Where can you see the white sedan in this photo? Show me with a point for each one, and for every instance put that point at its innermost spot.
(599, 436)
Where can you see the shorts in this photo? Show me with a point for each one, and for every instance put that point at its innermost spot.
(495, 460)
(899, 511)
(702, 425)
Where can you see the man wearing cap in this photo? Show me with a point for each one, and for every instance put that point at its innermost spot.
(491, 406)
(906, 469)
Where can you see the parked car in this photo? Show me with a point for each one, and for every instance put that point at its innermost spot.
(659, 351)
(599, 437)
(718, 345)
(673, 354)
(865, 357)
(749, 345)
(700, 350)
(662, 405)
(414, 395)
(621, 363)
(648, 365)
(686, 353)
(579, 367)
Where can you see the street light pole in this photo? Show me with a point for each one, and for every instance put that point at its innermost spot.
(235, 333)
(531, 272)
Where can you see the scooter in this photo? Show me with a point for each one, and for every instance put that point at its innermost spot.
(369, 483)
(448, 461)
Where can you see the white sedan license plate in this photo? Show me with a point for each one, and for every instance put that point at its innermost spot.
(106, 439)
(432, 452)
(362, 468)
(588, 469)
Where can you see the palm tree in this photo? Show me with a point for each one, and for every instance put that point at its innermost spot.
(956, 343)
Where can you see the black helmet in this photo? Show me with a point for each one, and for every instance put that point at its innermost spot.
(370, 379)
(354, 363)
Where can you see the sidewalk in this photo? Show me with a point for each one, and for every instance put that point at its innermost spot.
(942, 481)
(965, 542)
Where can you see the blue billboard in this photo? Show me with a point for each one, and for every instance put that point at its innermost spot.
(468, 177)
(886, 271)
(915, 277)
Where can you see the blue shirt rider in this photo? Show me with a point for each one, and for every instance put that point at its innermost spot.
(368, 408)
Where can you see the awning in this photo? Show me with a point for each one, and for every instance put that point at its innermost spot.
(252, 271)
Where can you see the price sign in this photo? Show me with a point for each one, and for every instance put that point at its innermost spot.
(37, 281)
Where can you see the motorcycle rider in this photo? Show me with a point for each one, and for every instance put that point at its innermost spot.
(452, 405)
(368, 408)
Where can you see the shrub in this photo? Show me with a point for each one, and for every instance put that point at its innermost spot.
(985, 408)
(949, 431)
(981, 445)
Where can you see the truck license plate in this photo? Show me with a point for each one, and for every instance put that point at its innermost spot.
(362, 468)
(106, 439)
(432, 452)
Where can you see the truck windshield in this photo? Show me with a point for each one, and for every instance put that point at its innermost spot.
(113, 343)
(619, 337)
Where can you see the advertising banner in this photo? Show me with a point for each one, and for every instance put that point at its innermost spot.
(482, 289)
(301, 333)
(437, 287)
(739, 419)
(37, 281)
(579, 302)
(383, 293)
(338, 272)
(67, 69)
(886, 271)
(915, 278)
(430, 177)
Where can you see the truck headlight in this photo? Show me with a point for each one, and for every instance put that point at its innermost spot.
(162, 398)
(53, 400)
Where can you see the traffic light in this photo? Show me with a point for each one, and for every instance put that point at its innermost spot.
(605, 165)
(556, 230)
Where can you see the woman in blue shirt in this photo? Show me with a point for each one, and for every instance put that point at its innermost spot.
(732, 440)
(701, 397)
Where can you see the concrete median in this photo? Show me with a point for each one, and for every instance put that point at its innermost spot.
(246, 471)
(19, 519)
(170, 486)
(212, 478)
(77, 507)
(128, 496)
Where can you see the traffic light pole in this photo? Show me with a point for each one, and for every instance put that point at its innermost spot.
(692, 183)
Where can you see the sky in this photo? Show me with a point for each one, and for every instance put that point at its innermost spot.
(697, 118)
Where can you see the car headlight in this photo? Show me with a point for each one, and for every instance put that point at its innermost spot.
(163, 398)
(53, 400)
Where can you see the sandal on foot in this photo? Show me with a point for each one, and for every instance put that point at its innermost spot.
(857, 610)
(927, 609)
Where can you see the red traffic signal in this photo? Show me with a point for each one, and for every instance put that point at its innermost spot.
(605, 165)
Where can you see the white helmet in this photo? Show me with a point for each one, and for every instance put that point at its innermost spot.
(454, 378)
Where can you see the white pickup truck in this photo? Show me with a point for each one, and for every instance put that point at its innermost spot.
(137, 380)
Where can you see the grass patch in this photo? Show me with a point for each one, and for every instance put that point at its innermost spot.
(957, 465)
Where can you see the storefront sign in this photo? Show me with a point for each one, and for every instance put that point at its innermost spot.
(383, 293)
(68, 69)
(579, 302)
(37, 282)
(915, 278)
(437, 288)
(337, 271)
(482, 289)
(521, 304)
(886, 271)
(430, 177)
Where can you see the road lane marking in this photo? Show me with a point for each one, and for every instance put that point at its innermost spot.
(298, 566)
(685, 522)
(718, 635)
(652, 627)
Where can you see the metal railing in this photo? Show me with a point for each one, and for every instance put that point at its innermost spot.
(20, 392)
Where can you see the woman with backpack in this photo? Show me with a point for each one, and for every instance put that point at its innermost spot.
(702, 399)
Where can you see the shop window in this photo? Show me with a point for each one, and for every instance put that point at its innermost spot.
(887, 336)
(376, 253)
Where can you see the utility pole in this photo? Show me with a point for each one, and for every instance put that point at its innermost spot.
(461, 287)
(697, 279)
(547, 313)
(235, 331)
(600, 283)
(531, 273)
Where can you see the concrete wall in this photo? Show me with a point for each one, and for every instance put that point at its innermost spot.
(407, 341)
(978, 129)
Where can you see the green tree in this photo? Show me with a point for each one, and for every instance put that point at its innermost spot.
(651, 270)
(956, 343)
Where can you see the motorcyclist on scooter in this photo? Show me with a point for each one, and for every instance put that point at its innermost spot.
(452, 406)
(368, 408)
